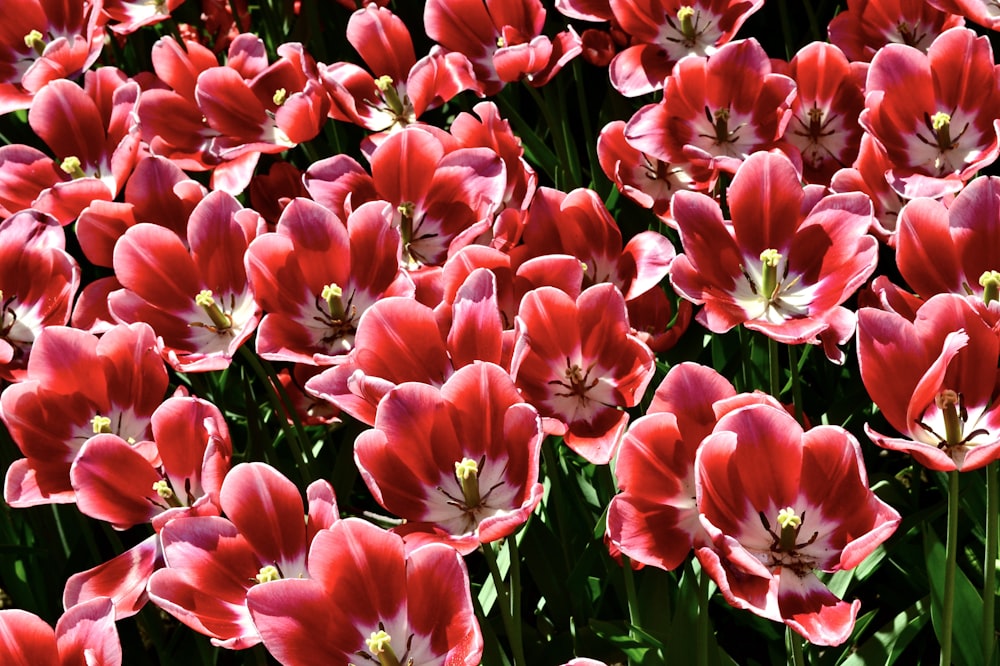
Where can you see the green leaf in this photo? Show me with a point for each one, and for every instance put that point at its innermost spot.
(967, 646)
(888, 643)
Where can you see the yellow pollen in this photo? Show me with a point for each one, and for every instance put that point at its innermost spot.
(162, 488)
(990, 282)
(466, 469)
(378, 642)
(940, 120)
(770, 257)
(280, 95)
(383, 83)
(406, 208)
(788, 518)
(102, 424)
(268, 573)
(71, 165)
(501, 42)
(35, 40)
(331, 291)
(685, 12)
(204, 299)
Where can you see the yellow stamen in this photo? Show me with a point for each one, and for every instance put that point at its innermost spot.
(268, 573)
(333, 295)
(990, 282)
(205, 300)
(770, 258)
(280, 95)
(71, 165)
(163, 489)
(379, 645)
(467, 473)
(101, 424)
(35, 40)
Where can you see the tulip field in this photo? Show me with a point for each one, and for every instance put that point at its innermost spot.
(502, 332)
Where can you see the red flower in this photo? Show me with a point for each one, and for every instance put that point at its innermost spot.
(428, 353)
(824, 123)
(39, 281)
(471, 453)
(664, 31)
(716, 110)
(785, 262)
(212, 562)
(780, 503)
(579, 364)
(94, 133)
(77, 386)
(404, 88)
(366, 595)
(316, 276)
(951, 249)
(866, 26)
(85, 634)
(935, 113)
(45, 40)
(198, 300)
(502, 39)
(654, 520)
(935, 381)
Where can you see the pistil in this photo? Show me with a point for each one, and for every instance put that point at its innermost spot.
(101, 424)
(769, 283)
(379, 645)
(941, 124)
(790, 523)
(205, 300)
(990, 282)
(467, 473)
(72, 166)
(36, 41)
(686, 16)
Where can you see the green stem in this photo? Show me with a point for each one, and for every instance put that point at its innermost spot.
(516, 639)
(947, 611)
(631, 597)
(775, 368)
(795, 641)
(793, 363)
(745, 360)
(290, 425)
(704, 580)
(989, 561)
(503, 599)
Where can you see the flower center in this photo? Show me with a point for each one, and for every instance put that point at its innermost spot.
(72, 166)
(467, 473)
(268, 573)
(380, 645)
(221, 322)
(102, 424)
(166, 493)
(688, 20)
(990, 282)
(400, 107)
(951, 405)
(36, 41)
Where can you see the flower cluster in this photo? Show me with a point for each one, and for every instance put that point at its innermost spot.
(338, 327)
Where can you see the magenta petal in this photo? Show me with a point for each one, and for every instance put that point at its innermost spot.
(87, 631)
(122, 578)
(813, 611)
(267, 509)
(25, 639)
